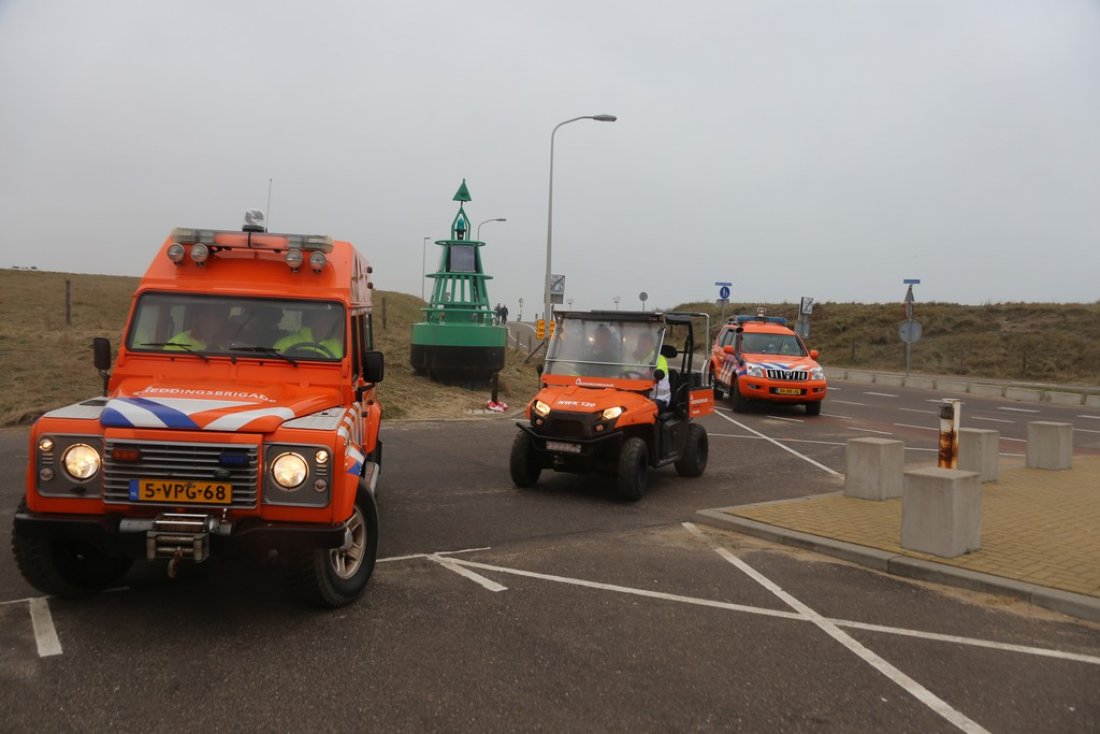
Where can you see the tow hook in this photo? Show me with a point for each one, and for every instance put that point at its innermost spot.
(177, 536)
(174, 563)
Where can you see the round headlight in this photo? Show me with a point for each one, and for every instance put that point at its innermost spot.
(289, 470)
(294, 258)
(317, 261)
(542, 408)
(199, 253)
(175, 252)
(81, 461)
(321, 457)
(45, 444)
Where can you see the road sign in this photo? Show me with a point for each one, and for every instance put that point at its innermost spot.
(552, 325)
(723, 282)
(557, 288)
(911, 281)
(540, 329)
(724, 292)
(910, 331)
(807, 306)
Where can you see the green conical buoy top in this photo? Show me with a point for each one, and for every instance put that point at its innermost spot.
(463, 193)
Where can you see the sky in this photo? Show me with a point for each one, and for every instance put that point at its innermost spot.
(821, 148)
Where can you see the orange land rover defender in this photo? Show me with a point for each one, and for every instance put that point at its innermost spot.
(594, 412)
(759, 358)
(240, 416)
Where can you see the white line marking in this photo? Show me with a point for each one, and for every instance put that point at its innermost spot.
(909, 685)
(789, 420)
(910, 425)
(917, 410)
(871, 430)
(766, 612)
(45, 634)
(846, 402)
(1017, 440)
(777, 443)
(991, 420)
(453, 565)
(881, 394)
(1084, 430)
(1090, 417)
(842, 417)
(428, 555)
(1018, 410)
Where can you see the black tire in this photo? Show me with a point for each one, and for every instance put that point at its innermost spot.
(696, 452)
(334, 577)
(65, 568)
(814, 408)
(523, 463)
(633, 473)
(738, 403)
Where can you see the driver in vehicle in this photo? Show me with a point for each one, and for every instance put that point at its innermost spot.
(645, 353)
(206, 327)
(320, 334)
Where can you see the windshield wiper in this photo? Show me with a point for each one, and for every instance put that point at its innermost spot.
(266, 351)
(178, 345)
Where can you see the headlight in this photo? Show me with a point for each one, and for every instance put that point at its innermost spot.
(81, 461)
(817, 374)
(754, 370)
(289, 470)
(610, 414)
(542, 408)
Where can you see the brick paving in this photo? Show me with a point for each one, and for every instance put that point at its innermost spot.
(1039, 527)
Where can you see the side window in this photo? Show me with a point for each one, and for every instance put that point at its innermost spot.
(357, 345)
(368, 333)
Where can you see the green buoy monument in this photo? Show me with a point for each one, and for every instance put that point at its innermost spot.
(459, 340)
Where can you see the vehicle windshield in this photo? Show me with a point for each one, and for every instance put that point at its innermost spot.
(604, 348)
(241, 327)
(786, 345)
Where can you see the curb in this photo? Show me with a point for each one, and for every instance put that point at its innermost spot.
(1088, 397)
(1076, 605)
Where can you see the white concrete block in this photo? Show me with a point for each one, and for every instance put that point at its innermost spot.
(1092, 401)
(920, 382)
(1049, 445)
(867, 378)
(954, 386)
(891, 380)
(988, 391)
(1023, 394)
(1064, 398)
(941, 511)
(978, 452)
(873, 468)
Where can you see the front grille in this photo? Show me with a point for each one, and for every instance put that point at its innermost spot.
(170, 460)
(787, 374)
(563, 428)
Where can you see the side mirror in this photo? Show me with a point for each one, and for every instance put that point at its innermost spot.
(101, 358)
(658, 375)
(728, 349)
(373, 366)
(814, 353)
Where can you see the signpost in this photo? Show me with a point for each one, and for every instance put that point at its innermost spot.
(643, 297)
(802, 323)
(723, 296)
(910, 330)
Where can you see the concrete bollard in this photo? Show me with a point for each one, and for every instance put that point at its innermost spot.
(941, 511)
(978, 449)
(873, 468)
(1049, 445)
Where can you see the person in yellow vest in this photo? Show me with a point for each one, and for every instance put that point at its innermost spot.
(321, 327)
(645, 354)
(206, 325)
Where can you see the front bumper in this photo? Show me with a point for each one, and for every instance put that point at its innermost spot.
(115, 535)
(762, 388)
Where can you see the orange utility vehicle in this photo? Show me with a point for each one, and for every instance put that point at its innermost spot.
(759, 358)
(240, 416)
(594, 413)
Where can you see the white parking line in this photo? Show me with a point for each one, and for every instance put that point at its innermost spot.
(922, 428)
(453, 565)
(1084, 430)
(789, 420)
(842, 417)
(991, 420)
(909, 685)
(846, 402)
(881, 394)
(917, 410)
(1018, 410)
(1090, 417)
(743, 427)
(429, 555)
(45, 634)
(871, 430)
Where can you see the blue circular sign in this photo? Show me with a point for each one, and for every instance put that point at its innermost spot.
(724, 292)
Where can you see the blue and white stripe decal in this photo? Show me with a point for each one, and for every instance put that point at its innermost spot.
(357, 467)
(139, 412)
(233, 421)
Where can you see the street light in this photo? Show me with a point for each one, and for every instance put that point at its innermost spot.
(616, 300)
(502, 219)
(550, 207)
(423, 265)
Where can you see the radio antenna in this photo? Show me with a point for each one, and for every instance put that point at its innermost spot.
(268, 212)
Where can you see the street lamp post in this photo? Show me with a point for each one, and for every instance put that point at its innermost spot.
(616, 300)
(502, 219)
(423, 265)
(550, 207)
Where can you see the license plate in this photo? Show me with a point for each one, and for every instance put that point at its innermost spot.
(565, 448)
(181, 491)
(787, 391)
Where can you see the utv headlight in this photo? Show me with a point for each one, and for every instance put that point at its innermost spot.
(817, 374)
(754, 370)
(610, 414)
(81, 461)
(541, 408)
(289, 470)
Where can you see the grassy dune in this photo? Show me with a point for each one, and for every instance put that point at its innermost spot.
(46, 363)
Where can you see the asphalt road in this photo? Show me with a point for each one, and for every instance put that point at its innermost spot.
(561, 608)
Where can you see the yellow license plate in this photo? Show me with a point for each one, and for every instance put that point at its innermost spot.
(787, 391)
(181, 491)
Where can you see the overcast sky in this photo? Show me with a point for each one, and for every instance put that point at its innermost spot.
(825, 148)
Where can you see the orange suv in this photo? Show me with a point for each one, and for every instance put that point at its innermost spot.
(759, 358)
